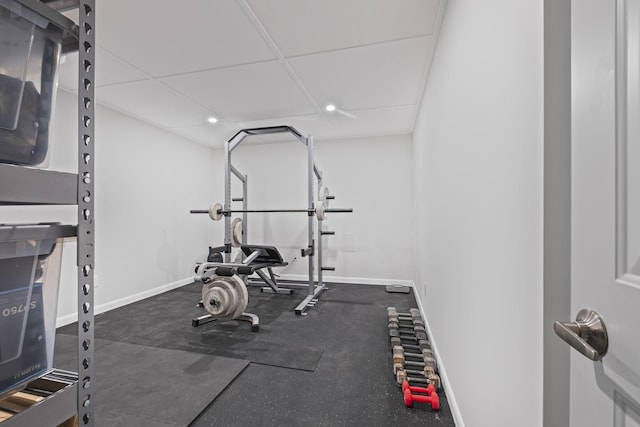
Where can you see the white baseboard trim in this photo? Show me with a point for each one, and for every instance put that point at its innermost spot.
(102, 308)
(349, 280)
(451, 399)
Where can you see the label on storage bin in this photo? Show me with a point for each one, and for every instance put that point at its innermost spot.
(31, 361)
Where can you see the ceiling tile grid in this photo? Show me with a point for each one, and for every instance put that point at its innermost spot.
(253, 63)
(310, 26)
(245, 92)
(164, 38)
(152, 102)
(112, 70)
(380, 75)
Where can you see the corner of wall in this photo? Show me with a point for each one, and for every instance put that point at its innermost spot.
(444, 378)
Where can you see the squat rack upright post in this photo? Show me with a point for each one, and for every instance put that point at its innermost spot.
(313, 290)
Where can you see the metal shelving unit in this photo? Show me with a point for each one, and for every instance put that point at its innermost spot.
(59, 389)
(69, 395)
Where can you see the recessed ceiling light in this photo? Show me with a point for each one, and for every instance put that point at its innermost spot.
(330, 107)
(212, 120)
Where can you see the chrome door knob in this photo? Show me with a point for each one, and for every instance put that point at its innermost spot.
(587, 334)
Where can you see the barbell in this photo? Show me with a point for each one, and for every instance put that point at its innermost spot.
(217, 211)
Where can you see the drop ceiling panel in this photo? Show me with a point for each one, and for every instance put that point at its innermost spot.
(245, 93)
(381, 75)
(111, 70)
(307, 26)
(213, 135)
(378, 121)
(255, 63)
(162, 37)
(152, 102)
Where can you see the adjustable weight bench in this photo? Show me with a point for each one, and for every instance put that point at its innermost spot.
(268, 257)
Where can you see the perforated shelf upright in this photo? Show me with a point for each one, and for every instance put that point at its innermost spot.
(19, 185)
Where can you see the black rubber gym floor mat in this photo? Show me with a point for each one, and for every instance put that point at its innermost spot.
(164, 321)
(353, 384)
(138, 385)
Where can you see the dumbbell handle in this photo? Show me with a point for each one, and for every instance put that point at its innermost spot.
(402, 359)
(412, 346)
(417, 380)
(433, 399)
(420, 356)
(426, 362)
(411, 327)
(394, 332)
(402, 316)
(406, 322)
(413, 363)
(413, 372)
(415, 337)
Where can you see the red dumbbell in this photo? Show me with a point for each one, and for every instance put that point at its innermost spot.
(429, 390)
(433, 399)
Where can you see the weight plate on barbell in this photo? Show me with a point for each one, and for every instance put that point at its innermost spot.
(236, 233)
(215, 211)
(323, 193)
(320, 210)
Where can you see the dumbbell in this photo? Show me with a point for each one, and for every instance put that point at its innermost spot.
(427, 375)
(424, 371)
(421, 345)
(406, 321)
(402, 376)
(399, 353)
(415, 337)
(425, 358)
(432, 399)
(405, 317)
(413, 313)
(406, 324)
(413, 327)
(420, 372)
(430, 389)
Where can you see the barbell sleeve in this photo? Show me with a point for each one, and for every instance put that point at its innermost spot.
(339, 210)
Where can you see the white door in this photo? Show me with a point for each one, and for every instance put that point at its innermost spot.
(605, 240)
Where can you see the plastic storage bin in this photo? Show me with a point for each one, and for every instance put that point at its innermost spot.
(29, 281)
(29, 58)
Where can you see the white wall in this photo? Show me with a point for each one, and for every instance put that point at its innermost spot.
(370, 175)
(146, 181)
(478, 148)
